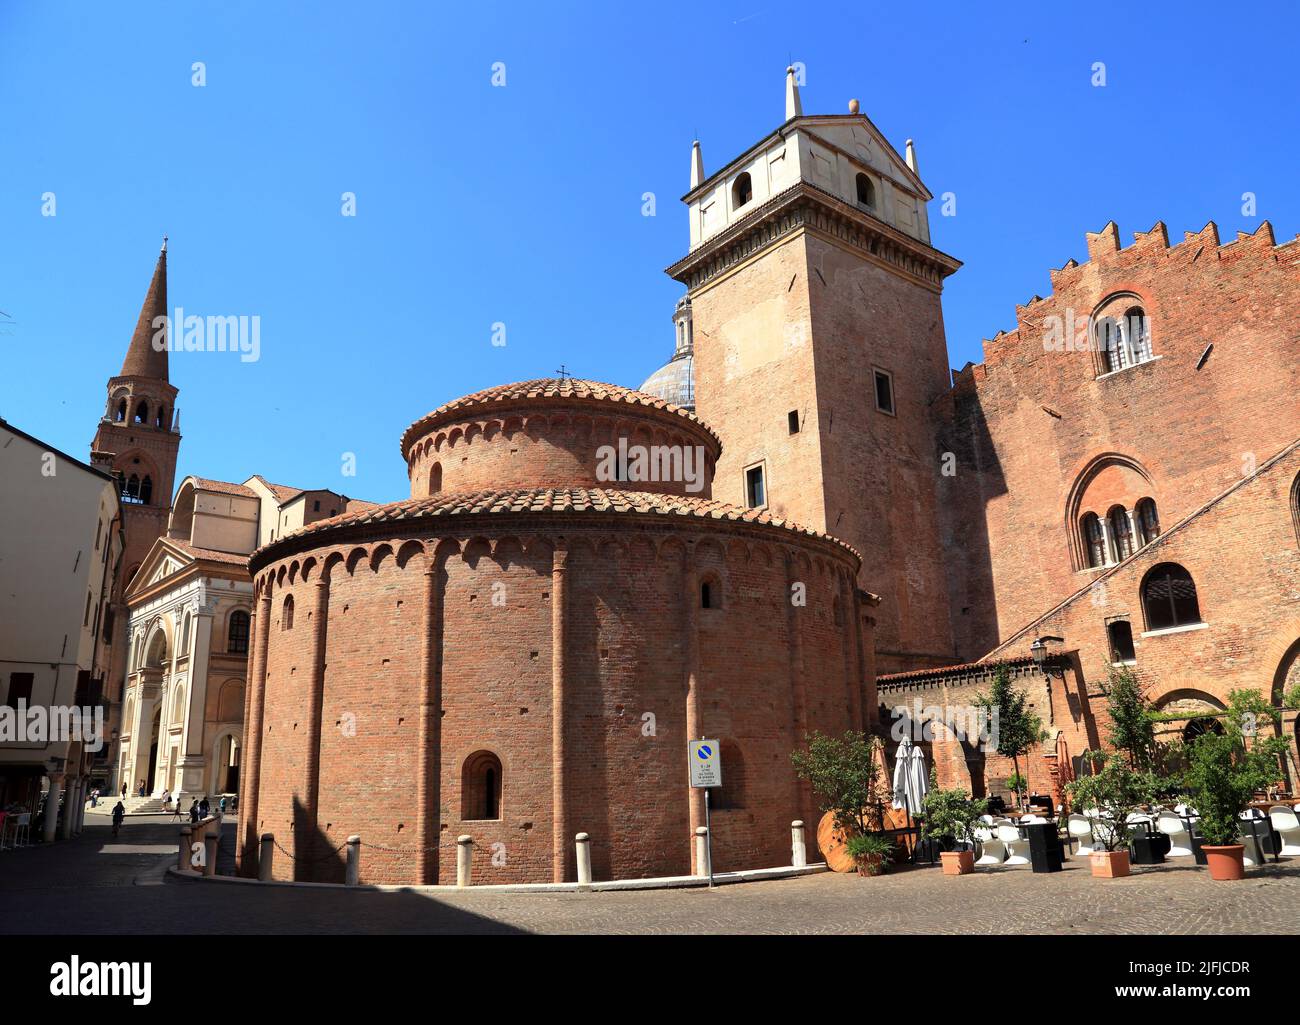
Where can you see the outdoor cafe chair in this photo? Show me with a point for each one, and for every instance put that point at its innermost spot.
(1017, 846)
(1180, 839)
(992, 850)
(1080, 829)
(1288, 828)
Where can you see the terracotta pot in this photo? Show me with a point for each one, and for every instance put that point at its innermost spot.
(1109, 864)
(1225, 862)
(957, 863)
(871, 865)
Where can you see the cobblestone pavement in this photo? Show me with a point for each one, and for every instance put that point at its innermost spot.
(72, 887)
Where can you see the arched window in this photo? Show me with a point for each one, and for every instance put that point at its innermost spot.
(480, 790)
(435, 479)
(146, 490)
(742, 190)
(1114, 355)
(1148, 522)
(142, 412)
(1137, 333)
(866, 191)
(1094, 541)
(185, 635)
(710, 592)
(1120, 634)
(161, 419)
(178, 706)
(1200, 727)
(1121, 533)
(237, 633)
(731, 794)
(286, 615)
(131, 491)
(1169, 597)
(121, 411)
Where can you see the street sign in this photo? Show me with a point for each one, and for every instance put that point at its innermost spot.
(706, 763)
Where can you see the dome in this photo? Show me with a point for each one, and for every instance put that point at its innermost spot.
(674, 382)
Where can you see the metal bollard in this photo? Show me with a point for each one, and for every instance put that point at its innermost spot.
(464, 851)
(584, 859)
(798, 847)
(264, 857)
(702, 867)
(354, 861)
(210, 840)
(183, 854)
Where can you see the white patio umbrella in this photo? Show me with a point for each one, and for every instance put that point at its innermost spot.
(910, 777)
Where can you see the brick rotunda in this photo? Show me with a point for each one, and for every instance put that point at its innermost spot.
(519, 652)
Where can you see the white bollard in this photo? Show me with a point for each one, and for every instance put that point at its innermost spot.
(210, 840)
(464, 850)
(584, 859)
(354, 861)
(183, 854)
(702, 867)
(264, 857)
(798, 848)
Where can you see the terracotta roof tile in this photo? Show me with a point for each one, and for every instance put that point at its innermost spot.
(224, 487)
(550, 500)
(549, 388)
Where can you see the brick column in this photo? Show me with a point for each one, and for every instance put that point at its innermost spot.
(253, 731)
(850, 653)
(254, 621)
(798, 691)
(559, 825)
(695, 796)
(315, 700)
(429, 780)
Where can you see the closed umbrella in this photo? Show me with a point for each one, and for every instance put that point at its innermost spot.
(910, 779)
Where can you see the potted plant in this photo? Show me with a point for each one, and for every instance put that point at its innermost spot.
(1116, 790)
(950, 819)
(845, 773)
(1224, 772)
(871, 852)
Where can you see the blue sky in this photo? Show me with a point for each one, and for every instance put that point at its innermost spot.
(522, 205)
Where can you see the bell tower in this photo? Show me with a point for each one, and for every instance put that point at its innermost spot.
(137, 442)
(820, 355)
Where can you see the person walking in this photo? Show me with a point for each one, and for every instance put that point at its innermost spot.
(194, 810)
(124, 790)
(119, 813)
(221, 805)
(205, 809)
(177, 815)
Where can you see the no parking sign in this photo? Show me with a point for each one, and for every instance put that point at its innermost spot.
(706, 763)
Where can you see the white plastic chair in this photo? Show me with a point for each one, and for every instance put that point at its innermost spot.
(1081, 829)
(1287, 824)
(992, 851)
(987, 819)
(1252, 855)
(1180, 840)
(1016, 845)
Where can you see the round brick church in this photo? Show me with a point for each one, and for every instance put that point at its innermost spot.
(520, 651)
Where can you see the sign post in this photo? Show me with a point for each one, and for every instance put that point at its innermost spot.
(705, 757)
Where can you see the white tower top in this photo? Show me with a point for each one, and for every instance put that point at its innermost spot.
(697, 164)
(793, 108)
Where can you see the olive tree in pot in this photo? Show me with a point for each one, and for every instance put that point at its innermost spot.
(950, 817)
(845, 774)
(1116, 790)
(1223, 773)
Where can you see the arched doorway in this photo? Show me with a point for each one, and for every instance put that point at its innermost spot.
(1285, 681)
(153, 751)
(225, 779)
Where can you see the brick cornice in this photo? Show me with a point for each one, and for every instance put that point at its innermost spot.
(806, 207)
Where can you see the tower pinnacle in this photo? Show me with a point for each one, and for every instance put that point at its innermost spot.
(697, 164)
(142, 359)
(793, 108)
